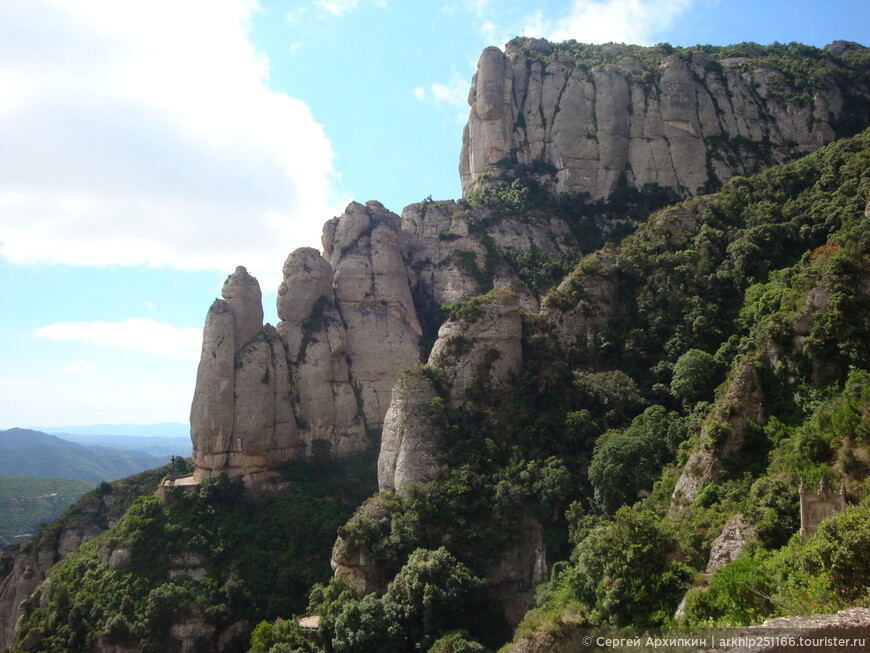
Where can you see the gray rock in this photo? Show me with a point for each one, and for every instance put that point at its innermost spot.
(242, 293)
(722, 434)
(372, 291)
(483, 347)
(412, 444)
(728, 546)
(676, 126)
(212, 409)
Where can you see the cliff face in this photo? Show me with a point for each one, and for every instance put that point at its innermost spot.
(351, 323)
(583, 119)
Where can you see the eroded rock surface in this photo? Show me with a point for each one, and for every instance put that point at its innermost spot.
(686, 123)
(412, 442)
(481, 345)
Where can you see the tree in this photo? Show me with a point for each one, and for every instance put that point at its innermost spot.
(622, 466)
(433, 593)
(612, 395)
(368, 625)
(696, 375)
(622, 571)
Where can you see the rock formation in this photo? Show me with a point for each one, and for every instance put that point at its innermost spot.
(241, 418)
(314, 334)
(412, 442)
(349, 327)
(686, 121)
(365, 248)
(723, 433)
(729, 545)
(480, 345)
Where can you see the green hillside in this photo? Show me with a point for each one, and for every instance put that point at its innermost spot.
(733, 365)
(36, 454)
(27, 502)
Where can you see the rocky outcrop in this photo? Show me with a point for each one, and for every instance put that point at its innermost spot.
(584, 121)
(478, 348)
(314, 334)
(354, 561)
(723, 433)
(729, 545)
(365, 247)
(349, 326)
(451, 256)
(412, 443)
(480, 344)
(242, 420)
(585, 301)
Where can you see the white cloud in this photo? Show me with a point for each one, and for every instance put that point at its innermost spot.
(601, 21)
(336, 7)
(145, 133)
(455, 93)
(453, 96)
(136, 334)
(80, 367)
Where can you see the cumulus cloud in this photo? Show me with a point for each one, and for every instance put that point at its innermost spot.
(601, 21)
(135, 334)
(145, 133)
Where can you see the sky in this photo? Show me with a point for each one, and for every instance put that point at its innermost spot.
(147, 148)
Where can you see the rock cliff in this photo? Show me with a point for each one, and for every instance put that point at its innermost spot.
(586, 119)
(351, 321)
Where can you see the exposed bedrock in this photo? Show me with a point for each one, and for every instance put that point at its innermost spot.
(685, 122)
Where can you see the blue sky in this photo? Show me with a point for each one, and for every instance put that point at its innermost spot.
(147, 148)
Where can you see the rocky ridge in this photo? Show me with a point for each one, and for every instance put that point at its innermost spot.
(687, 119)
(350, 324)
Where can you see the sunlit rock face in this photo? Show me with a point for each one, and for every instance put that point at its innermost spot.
(241, 420)
(685, 122)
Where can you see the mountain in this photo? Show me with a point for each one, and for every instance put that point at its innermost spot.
(154, 445)
(160, 430)
(587, 394)
(32, 453)
(682, 118)
(27, 502)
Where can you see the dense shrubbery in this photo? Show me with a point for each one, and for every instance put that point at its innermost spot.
(824, 573)
(260, 554)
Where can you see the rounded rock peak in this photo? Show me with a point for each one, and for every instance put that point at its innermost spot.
(240, 284)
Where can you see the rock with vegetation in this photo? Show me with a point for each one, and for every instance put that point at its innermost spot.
(586, 119)
(365, 247)
(480, 345)
(412, 442)
(698, 363)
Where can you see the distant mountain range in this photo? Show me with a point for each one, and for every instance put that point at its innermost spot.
(26, 452)
(161, 430)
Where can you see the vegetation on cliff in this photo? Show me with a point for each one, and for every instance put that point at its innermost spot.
(730, 366)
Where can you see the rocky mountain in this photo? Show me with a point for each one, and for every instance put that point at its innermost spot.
(352, 320)
(585, 119)
(580, 393)
(32, 453)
